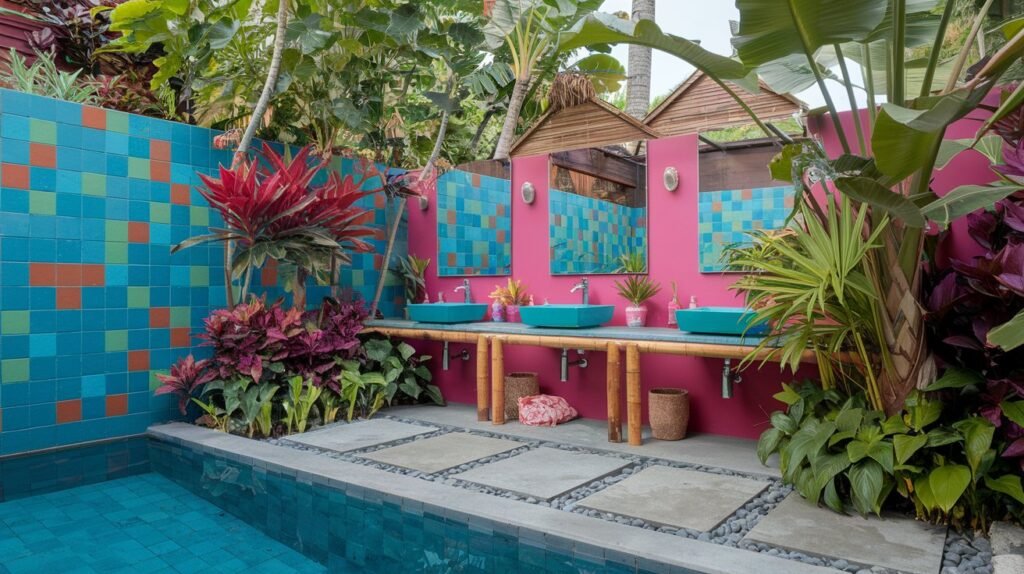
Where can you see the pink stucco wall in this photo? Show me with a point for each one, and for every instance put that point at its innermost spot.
(673, 256)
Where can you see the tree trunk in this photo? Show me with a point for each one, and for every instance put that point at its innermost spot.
(268, 87)
(508, 130)
(638, 82)
(474, 145)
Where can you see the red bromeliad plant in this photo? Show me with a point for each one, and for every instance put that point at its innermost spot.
(186, 376)
(272, 209)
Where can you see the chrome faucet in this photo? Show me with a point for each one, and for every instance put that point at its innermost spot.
(465, 287)
(585, 286)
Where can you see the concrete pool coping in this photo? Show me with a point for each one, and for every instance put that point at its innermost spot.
(646, 549)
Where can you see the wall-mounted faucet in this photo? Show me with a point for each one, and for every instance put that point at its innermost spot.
(585, 286)
(465, 288)
(566, 363)
(445, 356)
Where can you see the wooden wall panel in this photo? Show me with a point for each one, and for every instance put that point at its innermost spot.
(742, 168)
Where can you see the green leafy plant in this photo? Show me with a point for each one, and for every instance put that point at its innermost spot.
(365, 393)
(403, 371)
(637, 289)
(413, 271)
(330, 405)
(844, 454)
(635, 262)
(299, 404)
(44, 79)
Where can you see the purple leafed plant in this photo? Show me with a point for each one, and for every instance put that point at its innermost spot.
(185, 378)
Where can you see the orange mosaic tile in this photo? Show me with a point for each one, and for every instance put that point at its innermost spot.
(160, 150)
(180, 194)
(14, 176)
(180, 337)
(117, 405)
(94, 117)
(69, 411)
(138, 232)
(93, 275)
(138, 360)
(69, 274)
(160, 171)
(42, 155)
(159, 317)
(69, 297)
(42, 274)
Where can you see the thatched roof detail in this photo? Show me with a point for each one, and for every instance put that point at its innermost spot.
(699, 105)
(594, 123)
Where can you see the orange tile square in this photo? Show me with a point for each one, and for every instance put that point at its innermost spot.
(69, 274)
(160, 171)
(117, 405)
(69, 411)
(160, 150)
(42, 274)
(69, 297)
(138, 360)
(138, 232)
(159, 317)
(93, 275)
(180, 194)
(180, 337)
(42, 155)
(94, 117)
(15, 176)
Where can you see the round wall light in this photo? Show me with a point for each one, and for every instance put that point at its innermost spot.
(528, 192)
(671, 178)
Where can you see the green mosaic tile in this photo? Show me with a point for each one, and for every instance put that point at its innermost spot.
(42, 203)
(42, 131)
(138, 297)
(200, 276)
(117, 121)
(199, 215)
(159, 213)
(154, 382)
(14, 322)
(94, 184)
(117, 231)
(14, 370)
(180, 317)
(117, 253)
(116, 341)
(138, 168)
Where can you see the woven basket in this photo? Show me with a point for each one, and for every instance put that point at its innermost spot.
(669, 413)
(518, 385)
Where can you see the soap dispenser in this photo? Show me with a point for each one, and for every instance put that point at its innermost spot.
(693, 301)
(673, 305)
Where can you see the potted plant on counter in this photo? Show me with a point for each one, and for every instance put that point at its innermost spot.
(509, 298)
(413, 272)
(637, 289)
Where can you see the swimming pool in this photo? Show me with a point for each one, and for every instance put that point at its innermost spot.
(181, 510)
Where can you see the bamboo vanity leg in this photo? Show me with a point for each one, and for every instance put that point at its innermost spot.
(483, 390)
(613, 385)
(633, 394)
(497, 383)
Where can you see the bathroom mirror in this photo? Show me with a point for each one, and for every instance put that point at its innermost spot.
(597, 210)
(474, 220)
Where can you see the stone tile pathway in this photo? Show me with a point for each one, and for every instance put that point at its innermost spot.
(544, 473)
(358, 435)
(676, 497)
(901, 544)
(439, 453)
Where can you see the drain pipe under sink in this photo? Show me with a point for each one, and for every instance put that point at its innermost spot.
(445, 355)
(566, 363)
(729, 379)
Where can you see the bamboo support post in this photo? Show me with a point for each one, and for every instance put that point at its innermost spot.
(613, 386)
(497, 383)
(482, 388)
(633, 394)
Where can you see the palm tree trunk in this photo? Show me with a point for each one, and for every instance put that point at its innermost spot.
(638, 83)
(268, 87)
(474, 144)
(508, 129)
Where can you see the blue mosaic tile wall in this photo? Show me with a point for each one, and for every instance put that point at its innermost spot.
(589, 235)
(92, 303)
(474, 224)
(727, 217)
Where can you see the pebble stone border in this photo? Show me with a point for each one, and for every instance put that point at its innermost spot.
(961, 555)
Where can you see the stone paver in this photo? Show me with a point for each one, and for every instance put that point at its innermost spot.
(899, 543)
(357, 435)
(544, 473)
(442, 452)
(676, 497)
(1007, 538)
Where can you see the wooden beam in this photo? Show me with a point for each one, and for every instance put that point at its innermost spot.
(483, 390)
(633, 401)
(597, 163)
(614, 390)
(497, 383)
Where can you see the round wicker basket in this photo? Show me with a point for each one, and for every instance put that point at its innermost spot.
(518, 385)
(669, 413)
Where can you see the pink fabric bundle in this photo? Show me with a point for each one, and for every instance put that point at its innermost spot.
(545, 411)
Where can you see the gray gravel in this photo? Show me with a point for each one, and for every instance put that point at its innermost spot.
(963, 554)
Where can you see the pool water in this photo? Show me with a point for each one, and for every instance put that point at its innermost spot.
(142, 523)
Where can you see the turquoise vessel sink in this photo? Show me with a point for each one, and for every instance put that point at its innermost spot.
(566, 316)
(720, 321)
(447, 312)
